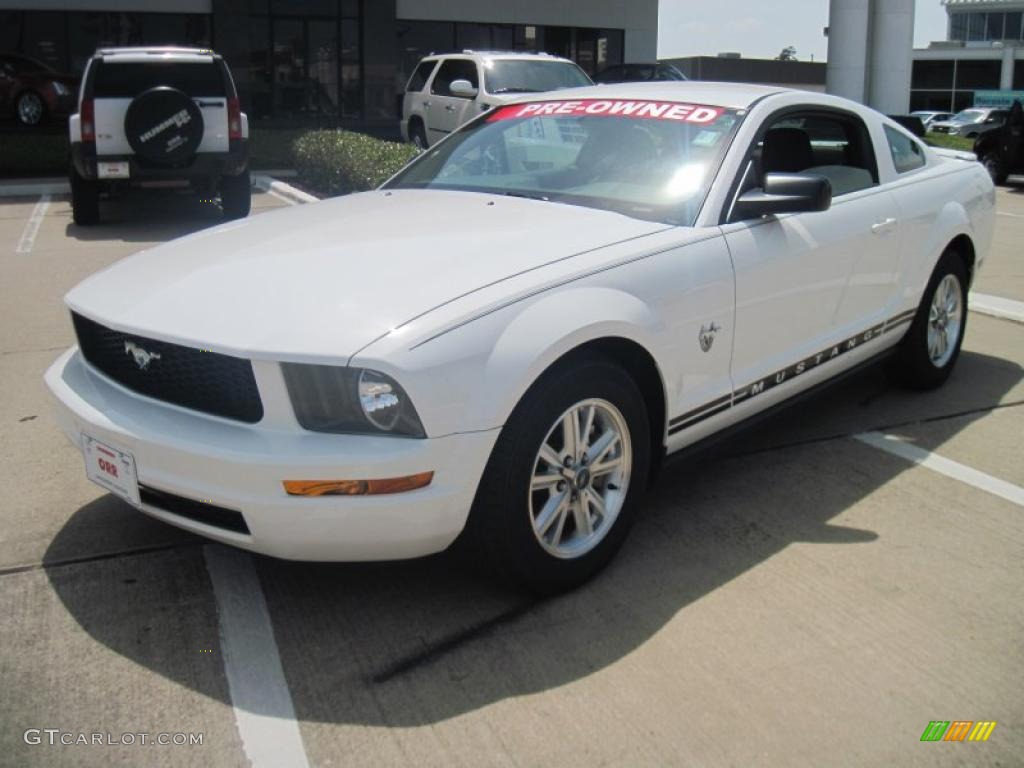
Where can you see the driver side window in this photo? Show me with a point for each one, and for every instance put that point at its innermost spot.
(834, 145)
(451, 70)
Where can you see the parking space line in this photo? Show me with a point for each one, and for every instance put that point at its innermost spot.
(28, 235)
(263, 707)
(1011, 215)
(997, 306)
(988, 483)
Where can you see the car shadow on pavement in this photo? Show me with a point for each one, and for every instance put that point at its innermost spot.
(150, 216)
(414, 643)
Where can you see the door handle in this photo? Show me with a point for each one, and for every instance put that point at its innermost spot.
(449, 107)
(886, 225)
(426, 105)
(210, 103)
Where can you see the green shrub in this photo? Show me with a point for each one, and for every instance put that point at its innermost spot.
(339, 162)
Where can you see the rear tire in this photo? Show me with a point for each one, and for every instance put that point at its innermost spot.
(236, 196)
(521, 490)
(993, 163)
(30, 109)
(926, 355)
(85, 200)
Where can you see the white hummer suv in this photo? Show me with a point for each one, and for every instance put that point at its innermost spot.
(448, 90)
(157, 114)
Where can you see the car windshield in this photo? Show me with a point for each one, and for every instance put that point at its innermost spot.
(968, 116)
(531, 76)
(647, 159)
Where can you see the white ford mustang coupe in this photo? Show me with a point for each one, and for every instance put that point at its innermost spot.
(500, 344)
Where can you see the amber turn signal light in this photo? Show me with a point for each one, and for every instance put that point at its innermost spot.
(357, 487)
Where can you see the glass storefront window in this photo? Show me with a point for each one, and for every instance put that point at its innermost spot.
(983, 75)
(932, 74)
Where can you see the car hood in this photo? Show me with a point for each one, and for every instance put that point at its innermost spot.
(319, 282)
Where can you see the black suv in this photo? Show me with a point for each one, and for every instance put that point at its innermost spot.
(1002, 149)
(148, 114)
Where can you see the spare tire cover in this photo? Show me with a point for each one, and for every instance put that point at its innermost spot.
(164, 125)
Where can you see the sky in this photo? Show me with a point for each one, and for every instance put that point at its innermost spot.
(759, 29)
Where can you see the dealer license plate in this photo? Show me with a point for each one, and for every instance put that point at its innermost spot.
(112, 170)
(111, 469)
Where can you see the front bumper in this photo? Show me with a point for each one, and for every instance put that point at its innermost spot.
(241, 467)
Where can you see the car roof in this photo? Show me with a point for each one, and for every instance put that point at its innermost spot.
(730, 95)
(503, 55)
(154, 53)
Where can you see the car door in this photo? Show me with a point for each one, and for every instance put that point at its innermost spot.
(445, 112)
(806, 282)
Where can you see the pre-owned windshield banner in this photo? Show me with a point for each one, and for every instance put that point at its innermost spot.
(654, 110)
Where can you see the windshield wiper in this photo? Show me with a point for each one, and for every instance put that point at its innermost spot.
(528, 197)
(516, 89)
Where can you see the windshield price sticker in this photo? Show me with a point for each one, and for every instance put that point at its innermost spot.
(655, 110)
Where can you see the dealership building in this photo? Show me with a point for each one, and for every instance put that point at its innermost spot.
(333, 62)
(981, 59)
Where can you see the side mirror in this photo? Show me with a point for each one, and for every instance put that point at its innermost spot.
(784, 193)
(463, 89)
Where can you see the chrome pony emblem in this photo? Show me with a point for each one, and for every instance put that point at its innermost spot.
(707, 335)
(142, 357)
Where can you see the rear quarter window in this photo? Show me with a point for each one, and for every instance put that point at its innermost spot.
(907, 154)
(129, 79)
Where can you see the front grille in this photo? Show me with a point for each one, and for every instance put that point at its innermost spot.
(205, 381)
(198, 511)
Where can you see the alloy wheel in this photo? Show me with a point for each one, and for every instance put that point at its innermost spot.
(945, 320)
(30, 108)
(580, 478)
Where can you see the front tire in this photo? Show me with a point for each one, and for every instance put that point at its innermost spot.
(236, 196)
(558, 496)
(927, 354)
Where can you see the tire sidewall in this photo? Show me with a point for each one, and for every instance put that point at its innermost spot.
(923, 373)
(503, 500)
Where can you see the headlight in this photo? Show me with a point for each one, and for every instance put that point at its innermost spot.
(60, 89)
(329, 398)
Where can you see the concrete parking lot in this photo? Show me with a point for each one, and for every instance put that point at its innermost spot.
(798, 596)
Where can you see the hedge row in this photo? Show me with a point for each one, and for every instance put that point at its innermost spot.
(339, 162)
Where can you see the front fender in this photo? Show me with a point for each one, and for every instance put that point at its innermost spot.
(471, 377)
(548, 329)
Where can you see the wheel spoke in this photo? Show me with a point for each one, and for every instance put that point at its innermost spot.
(588, 424)
(595, 500)
(571, 434)
(605, 467)
(584, 526)
(553, 507)
(550, 456)
(603, 445)
(541, 482)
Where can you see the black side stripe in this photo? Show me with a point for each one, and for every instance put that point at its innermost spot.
(699, 411)
(761, 386)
